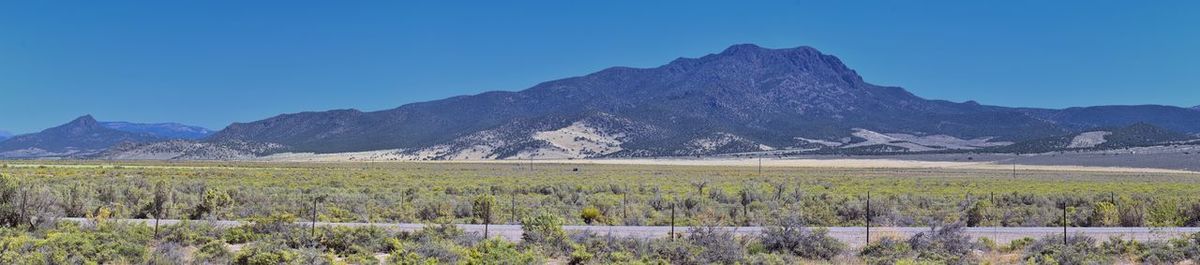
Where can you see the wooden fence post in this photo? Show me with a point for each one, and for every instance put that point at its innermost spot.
(672, 221)
(868, 217)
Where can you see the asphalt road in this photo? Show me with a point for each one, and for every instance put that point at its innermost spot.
(853, 236)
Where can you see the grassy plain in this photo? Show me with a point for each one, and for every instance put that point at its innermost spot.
(629, 194)
(542, 197)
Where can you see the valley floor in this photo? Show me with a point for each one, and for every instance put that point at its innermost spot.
(1156, 161)
(370, 211)
(854, 237)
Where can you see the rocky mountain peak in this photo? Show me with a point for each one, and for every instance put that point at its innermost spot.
(82, 135)
(753, 61)
(84, 121)
(743, 49)
(79, 126)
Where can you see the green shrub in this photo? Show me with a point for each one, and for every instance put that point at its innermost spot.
(1079, 249)
(190, 233)
(1159, 252)
(1105, 214)
(239, 235)
(213, 252)
(354, 240)
(361, 259)
(885, 251)
(1017, 245)
(106, 243)
(543, 229)
(718, 246)
(212, 204)
(1165, 213)
(987, 244)
(579, 255)
(1116, 246)
(676, 251)
(948, 244)
(499, 251)
(589, 214)
(166, 253)
(792, 237)
(402, 253)
(483, 207)
(265, 253)
(979, 214)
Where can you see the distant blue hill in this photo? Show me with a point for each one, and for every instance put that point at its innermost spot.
(5, 135)
(86, 136)
(168, 130)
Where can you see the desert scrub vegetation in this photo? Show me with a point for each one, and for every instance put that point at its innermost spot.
(597, 194)
(275, 200)
(594, 194)
(276, 240)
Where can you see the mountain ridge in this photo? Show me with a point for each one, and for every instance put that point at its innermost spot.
(85, 136)
(745, 98)
(81, 136)
(165, 130)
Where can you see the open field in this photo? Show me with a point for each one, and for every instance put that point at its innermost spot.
(631, 192)
(394, 210)
(854, 237)
(1181, 158)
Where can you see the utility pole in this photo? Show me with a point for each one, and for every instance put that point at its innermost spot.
(514, 206)
(868, 217)
(760, 167)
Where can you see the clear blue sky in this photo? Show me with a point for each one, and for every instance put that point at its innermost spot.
(211, 63)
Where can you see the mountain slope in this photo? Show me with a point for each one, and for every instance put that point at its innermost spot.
(81, 136)
(1136, 135)
(743, 99)
(1168, 117)
(5, 135)
(160, 130)
(746, 98)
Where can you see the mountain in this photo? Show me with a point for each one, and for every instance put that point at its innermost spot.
(1168, 117)
(1136, 135)
(160, 130)
(743, 99)
(82, 136)
(5, 135)
(746, 98)
(184, 150)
